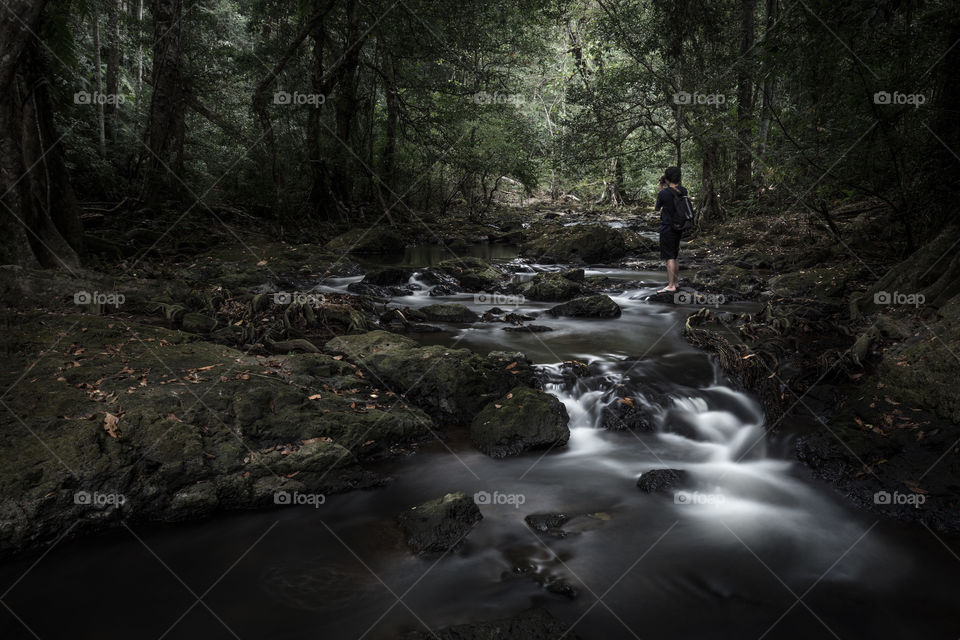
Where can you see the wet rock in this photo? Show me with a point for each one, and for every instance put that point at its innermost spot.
(590, 243)
(598, 306)
(661, 480)
(523, 420)
(379, 291)
(388, 276)
(550, 287)
(533, 624)
(449, 384)
(439, 525)
(261, 424)
(517, 318)
(625, 414)
(549, 523)
(472, 274)
(449, 312)
(576, 275)
(530, 328)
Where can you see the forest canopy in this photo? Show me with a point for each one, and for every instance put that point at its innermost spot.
(344, 112)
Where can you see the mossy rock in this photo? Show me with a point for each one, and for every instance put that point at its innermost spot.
(472, 274)
(440, 525)
(598, 306)
(449, 312)
(449, 384)
(365, 344)
(591, 243)
(523, 420)
(551, 287)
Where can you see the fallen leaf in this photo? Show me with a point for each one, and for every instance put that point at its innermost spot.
(111, 425)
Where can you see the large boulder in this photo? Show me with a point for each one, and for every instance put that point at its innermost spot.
(550, 287)
(449, 312)
(590, 243)
(472, 274)
(661, 480)
(449, 384)
(597, 306)
(439, 525)
(523, 420)
(388, 276)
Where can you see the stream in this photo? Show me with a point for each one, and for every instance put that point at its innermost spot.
(756, 549)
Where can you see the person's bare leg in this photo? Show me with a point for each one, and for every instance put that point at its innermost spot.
(673, 269)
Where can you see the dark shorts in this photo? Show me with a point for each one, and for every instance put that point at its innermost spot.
(669, 243)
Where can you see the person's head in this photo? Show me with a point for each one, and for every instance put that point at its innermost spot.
(672, 175)
(661, 182)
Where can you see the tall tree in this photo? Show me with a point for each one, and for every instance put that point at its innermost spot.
(31, 236)
(744, 171)
(166, 126)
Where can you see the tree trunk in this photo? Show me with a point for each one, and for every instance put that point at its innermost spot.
(709, 210)
(744, 171)
(113, 68)
(767, 97)
(321, 203)
(166, 126)
(49, 180)
(393, 117)
(346, 106)
(30, 237)
(98, 72)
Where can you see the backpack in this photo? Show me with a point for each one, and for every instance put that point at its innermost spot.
(682, 211)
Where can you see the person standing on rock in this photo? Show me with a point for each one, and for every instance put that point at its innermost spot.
(669, 236)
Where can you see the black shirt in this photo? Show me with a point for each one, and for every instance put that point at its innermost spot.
(666, 205)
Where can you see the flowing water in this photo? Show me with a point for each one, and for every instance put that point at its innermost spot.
(754, 549)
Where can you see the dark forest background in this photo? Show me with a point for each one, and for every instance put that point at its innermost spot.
(337, 113)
